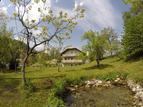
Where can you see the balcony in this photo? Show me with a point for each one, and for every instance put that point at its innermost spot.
(72, 61)
(69, 55)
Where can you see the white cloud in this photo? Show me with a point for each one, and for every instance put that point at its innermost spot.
(3, 9)
(99, 12)
(32, 10)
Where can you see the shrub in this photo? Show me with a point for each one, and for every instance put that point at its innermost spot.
(27, 89)
(54, 101)
(75, 80)
(29, 86)
(112, 76)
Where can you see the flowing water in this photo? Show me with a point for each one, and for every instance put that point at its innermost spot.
(102, 97)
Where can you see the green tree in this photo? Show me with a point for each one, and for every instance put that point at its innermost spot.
(112, 40)
(16, 49)
(136, 6)
(133, 32)
(4, 47)
(54, 53)
(95, 45)
(62, 23)
(10, 49)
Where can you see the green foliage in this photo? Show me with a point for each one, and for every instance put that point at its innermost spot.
(59, 86)
(27, 89)
(62, 25)
(29, 86)
(136, 6)
(54, 99)
(133, 32)
(112, 42)
(54, 53)
(45, 58)
(121, 54)
(10, 49)
(47, 97)
(42, 58)
(112, 76)
(95, 45)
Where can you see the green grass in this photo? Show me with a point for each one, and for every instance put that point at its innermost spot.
(43, 79)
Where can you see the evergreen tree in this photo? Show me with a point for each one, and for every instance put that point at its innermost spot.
(133, 30)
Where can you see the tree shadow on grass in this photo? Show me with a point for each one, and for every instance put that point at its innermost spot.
(133, 60)
(71, 70)
(102, 66)
(116, 60)
(10, 85)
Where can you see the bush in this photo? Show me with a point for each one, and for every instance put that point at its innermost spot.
(59, 86)
(75, 80)
(121, 54)
(54, 99)
(28, 88)
(112, 76)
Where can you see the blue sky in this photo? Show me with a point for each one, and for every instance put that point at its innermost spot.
(99, 14)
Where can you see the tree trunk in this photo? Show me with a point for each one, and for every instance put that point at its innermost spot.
(15, 66)
(58, 67)
(23, 70)
(98, 62)
(23, 74)
(111, 53)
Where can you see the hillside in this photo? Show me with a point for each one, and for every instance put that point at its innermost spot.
(44, 78)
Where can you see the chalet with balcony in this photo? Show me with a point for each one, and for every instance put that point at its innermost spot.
(70, 56)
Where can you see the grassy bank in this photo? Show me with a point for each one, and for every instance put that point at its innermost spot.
(47, 82)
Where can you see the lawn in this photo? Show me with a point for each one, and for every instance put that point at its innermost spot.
(43, 78)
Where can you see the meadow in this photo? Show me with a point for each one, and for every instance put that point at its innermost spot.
(45, 81)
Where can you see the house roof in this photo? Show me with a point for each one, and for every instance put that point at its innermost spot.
(70, 48)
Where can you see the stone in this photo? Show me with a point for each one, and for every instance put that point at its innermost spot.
(71, 89)
(140, 104)
(138, 90)
(76, 86)
(87, 86)
(134, 89)
(117, 80)
(99, 82)
(108, 82)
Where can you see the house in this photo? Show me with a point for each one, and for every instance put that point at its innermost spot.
(70, 56)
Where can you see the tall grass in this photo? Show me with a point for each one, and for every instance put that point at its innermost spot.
(48, 82)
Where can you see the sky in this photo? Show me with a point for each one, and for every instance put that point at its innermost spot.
(99, 14)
